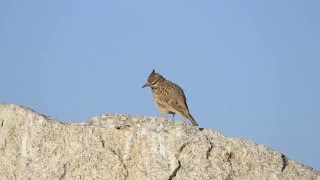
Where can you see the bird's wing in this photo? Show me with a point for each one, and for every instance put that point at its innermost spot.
(176, 98)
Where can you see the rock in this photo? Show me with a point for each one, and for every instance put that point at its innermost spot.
(35, 146)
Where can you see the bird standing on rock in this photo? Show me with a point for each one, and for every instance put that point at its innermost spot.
(168, 96)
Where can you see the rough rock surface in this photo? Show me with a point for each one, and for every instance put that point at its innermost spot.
(35, 146)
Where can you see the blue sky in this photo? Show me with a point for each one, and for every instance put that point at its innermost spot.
(249, 69)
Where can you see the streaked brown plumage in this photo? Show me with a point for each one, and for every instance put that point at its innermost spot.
(168, 96)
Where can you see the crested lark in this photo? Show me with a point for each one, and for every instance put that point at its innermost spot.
(168, 96)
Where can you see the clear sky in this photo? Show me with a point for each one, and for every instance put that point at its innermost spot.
(249, 69)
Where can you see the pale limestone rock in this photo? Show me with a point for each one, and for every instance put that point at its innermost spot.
(34, 146)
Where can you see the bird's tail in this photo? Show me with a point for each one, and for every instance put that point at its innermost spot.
(193, 121)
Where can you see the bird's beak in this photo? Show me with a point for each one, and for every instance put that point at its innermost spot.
(145, 85)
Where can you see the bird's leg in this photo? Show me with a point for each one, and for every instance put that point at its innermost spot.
(173, 116)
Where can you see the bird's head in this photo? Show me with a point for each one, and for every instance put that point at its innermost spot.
(153, 80)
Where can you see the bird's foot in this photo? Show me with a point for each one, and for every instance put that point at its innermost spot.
(162, 116)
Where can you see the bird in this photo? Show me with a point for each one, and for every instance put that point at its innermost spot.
(168, 96)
